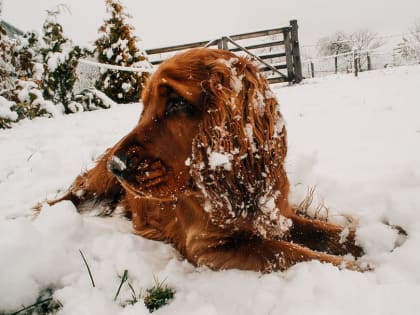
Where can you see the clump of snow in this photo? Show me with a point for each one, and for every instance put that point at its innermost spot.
(54, 59)
(259, 102)
(5, 109)
(38, 71)
(126, 87)
(222, 159)
(279, 125)
(75, 107)
(272, 226)
(249, 132)
(24, 90)
(271, 222)
(235, 79)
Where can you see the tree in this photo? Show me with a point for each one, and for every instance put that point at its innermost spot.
(7, 71)
(364, 40)
(336, 44)
(28, 58)
(415, 31)
(409, 47)
(117, 46)
(407, 50)
(60, 60)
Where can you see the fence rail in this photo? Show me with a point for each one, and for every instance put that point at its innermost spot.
(275, 50)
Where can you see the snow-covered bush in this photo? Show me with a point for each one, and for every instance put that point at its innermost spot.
(27, 102)
(30, 102)
(92, 99)
(117, 46)
(408, 50)
(7, 71)
(38, 73)
(7, 115)
(60, 59)
(28, 59)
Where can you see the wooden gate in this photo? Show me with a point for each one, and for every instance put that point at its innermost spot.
(276, 50)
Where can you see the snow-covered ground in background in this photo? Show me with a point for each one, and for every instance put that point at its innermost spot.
(356, 139)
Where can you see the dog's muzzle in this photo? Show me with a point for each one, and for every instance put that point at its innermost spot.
(141, 172)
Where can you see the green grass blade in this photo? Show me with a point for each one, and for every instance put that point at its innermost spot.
(87, 266)
(123, 279)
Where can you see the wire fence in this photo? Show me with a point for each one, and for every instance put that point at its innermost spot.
(354, 62)
(88, 71)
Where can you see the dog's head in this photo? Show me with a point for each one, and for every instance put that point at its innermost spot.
(210, 126)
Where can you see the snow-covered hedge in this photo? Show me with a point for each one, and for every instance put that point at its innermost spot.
(38, 73)
(7, 115)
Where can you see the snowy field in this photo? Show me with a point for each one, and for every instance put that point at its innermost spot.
(356, 139)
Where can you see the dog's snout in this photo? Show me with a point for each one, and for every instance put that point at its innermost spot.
(117, 165)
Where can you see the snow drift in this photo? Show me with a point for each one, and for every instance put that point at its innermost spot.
(356, 139)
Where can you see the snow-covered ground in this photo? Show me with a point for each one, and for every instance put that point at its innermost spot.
(356, 139)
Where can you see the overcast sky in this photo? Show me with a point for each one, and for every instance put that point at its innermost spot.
(160, 23)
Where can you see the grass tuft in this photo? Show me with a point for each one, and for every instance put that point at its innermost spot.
(158, 296)
(123, 279)
(45, 304)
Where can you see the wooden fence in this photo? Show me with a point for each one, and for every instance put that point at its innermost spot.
(276, 50)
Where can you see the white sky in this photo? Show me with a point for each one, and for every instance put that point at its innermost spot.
(161, 23)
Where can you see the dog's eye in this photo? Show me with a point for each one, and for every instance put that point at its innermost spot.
(178, 105)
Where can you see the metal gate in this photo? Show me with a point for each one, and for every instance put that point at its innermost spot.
(275, 50)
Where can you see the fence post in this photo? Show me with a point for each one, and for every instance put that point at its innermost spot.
(297, 64)
(312, 69)
(356, 62)
(369, 62)
(223, 43)
(336, 63)
(289, 56)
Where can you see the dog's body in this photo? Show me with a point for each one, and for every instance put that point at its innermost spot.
(203, 169)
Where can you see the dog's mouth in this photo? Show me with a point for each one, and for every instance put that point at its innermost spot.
(150, 173)
(139, 175)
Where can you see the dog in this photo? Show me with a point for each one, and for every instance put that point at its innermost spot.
(204, 171)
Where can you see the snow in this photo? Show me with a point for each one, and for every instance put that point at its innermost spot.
(356, 139)
(5, 111)
(235, 79)
(220, 159)
(55, 59)
(249, 132)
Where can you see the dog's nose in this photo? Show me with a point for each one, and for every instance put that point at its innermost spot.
(117, 165)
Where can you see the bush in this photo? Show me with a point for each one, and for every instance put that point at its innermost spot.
(92, 99)
(117, 46)
(7, 114)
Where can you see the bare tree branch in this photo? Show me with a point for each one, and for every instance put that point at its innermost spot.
(364, 39)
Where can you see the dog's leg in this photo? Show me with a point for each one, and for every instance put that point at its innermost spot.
(324, 237)
(95, 185)
(264, 256)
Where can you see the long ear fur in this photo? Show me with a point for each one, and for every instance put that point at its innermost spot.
(239, 152)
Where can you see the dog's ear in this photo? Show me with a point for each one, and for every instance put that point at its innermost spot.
(239, 152)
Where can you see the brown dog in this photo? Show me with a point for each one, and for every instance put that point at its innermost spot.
(204, 170)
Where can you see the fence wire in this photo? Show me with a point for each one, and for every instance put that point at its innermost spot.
(345, 63)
